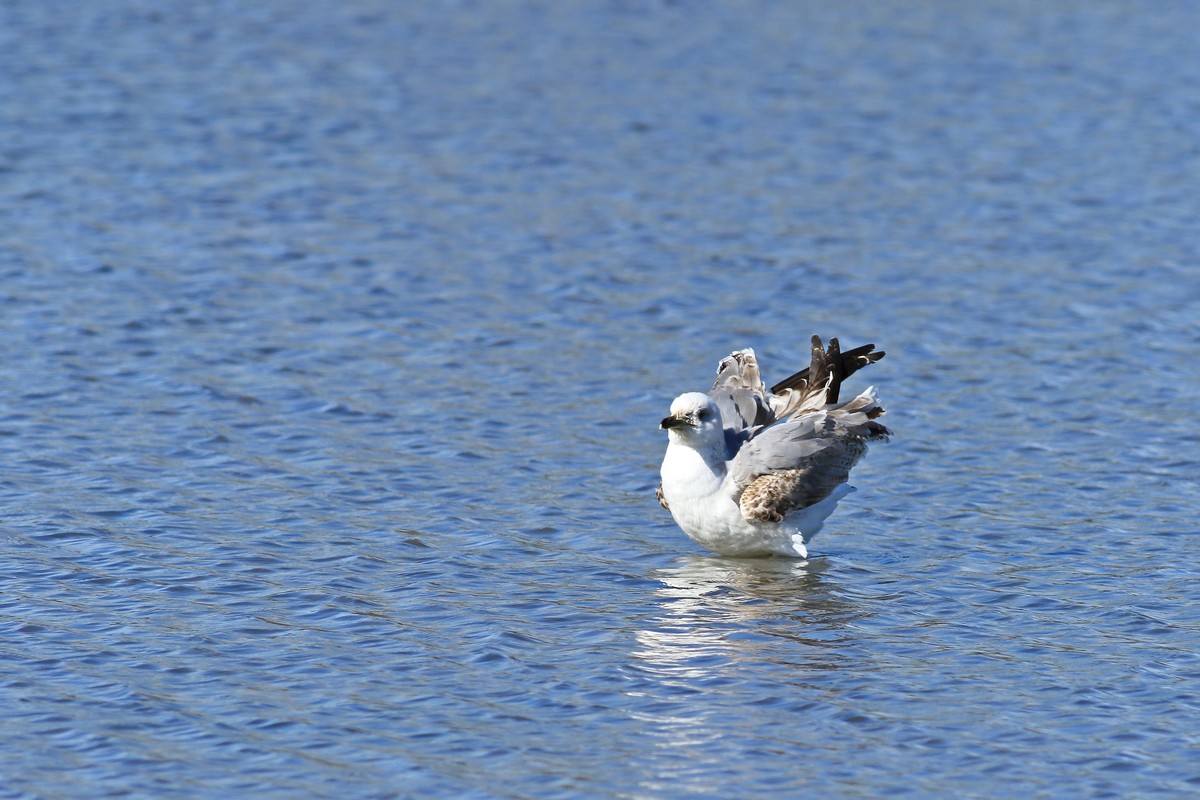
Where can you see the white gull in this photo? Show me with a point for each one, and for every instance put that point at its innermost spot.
(752, 473)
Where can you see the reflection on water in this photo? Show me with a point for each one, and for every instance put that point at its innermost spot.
(721, 621)
(705, 588)
(717, 612)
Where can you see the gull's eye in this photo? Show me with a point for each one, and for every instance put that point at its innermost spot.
(702, 414)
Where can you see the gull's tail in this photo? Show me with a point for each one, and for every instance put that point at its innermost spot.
(859, 415)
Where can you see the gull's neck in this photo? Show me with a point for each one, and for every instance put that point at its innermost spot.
(694, 462)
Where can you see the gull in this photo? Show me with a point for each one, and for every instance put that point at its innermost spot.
(749, 473)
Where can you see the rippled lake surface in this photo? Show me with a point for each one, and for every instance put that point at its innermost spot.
(336, 335)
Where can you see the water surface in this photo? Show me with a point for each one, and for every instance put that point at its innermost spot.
(336, 337)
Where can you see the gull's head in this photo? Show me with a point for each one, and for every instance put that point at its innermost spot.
(694, 418)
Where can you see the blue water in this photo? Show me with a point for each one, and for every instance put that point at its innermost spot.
(336, 335)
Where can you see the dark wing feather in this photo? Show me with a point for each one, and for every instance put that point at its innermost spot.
(841, 365)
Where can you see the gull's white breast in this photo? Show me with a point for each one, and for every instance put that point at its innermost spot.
(702, 504)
